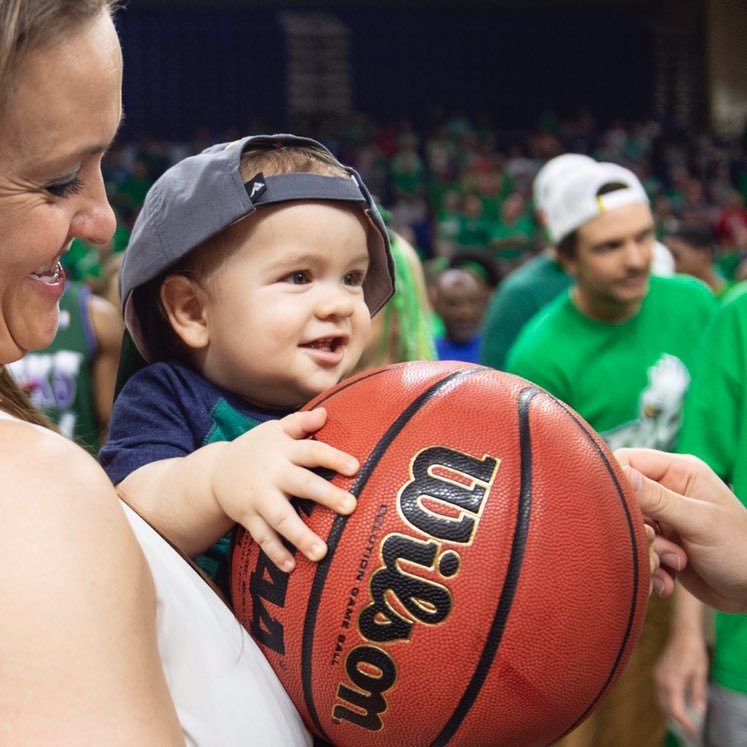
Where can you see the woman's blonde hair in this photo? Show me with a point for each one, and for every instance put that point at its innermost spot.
(30, 25)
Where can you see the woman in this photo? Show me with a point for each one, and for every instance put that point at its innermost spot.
(107, 636)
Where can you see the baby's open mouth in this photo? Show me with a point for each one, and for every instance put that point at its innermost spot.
(326, 344)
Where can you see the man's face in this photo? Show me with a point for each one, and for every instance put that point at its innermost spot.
(460, 302)
(612, 263)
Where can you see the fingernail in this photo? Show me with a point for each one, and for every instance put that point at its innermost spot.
(658, 586)
(316, 551)
(351, 465)
(671, 560)
(347, 504)
(288, 565)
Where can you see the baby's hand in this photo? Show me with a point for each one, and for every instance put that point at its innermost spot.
(259, 472)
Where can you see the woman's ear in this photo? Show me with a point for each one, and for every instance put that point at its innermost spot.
(184, 302)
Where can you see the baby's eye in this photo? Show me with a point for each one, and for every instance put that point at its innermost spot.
(300, 277)
(64, 189)
(356, 277)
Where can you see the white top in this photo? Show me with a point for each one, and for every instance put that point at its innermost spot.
(224, 690)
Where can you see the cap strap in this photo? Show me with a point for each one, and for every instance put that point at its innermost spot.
(266, 190)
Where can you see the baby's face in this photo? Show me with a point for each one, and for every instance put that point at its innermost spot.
(285, 313)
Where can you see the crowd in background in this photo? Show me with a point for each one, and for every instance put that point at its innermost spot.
(464, 187)
(458, 200)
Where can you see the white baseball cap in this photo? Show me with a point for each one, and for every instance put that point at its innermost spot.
(577, 200)
(662, 263)
(552, 174)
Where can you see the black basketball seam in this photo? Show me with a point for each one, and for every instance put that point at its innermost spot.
(636, 580)
(339, 523)
(511, 580)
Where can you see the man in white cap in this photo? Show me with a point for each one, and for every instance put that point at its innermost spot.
(530, 286)
(618, 347)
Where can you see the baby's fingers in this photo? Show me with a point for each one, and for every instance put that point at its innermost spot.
(311, 453)
(307, 484)
(304, 423)
(269, 530)
(314, 454)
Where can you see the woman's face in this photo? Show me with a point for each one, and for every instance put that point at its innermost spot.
(55, 127)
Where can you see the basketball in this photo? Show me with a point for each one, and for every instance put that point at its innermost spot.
(487, 590)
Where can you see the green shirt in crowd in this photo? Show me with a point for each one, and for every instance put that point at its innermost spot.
(627, 379)
(714, 428)
(520, 295)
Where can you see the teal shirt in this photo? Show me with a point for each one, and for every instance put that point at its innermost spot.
(518, 298)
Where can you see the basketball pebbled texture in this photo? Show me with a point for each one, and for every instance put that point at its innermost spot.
(487, 590)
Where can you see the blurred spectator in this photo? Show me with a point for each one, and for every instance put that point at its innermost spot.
(448, 222)
(493, 186)
(513, 235)
(73, 378)
(695, 208)
(474, 230)
(409, 208)
(130, 192)
(666, 220)
(482, 266)
(459, 299)
(693, 247)
(731, 220)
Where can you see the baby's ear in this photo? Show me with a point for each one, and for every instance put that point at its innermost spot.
(184, 302)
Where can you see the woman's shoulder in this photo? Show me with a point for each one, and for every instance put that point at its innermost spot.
(81, 605)
(58, 504)
(41, 464)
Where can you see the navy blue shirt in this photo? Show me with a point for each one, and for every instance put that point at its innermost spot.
(168, 410)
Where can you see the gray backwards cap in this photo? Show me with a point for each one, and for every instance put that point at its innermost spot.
(203, 194)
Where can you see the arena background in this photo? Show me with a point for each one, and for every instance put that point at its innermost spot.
(223, 65)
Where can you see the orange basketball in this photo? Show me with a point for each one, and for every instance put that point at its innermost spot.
(489, 587)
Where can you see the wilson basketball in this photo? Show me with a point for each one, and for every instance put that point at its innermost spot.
(487, 590)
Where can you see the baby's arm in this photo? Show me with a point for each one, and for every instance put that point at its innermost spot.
(194, 493)
(195, 499)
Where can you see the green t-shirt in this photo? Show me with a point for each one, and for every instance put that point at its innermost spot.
(508, 242)
(714, 428)
(628, 379)
(473, 232)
